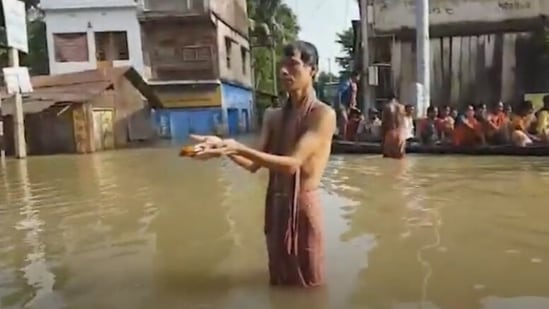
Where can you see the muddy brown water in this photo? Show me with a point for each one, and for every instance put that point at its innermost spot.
(145, 229)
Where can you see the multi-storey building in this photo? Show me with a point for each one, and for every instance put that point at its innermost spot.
(198, 56)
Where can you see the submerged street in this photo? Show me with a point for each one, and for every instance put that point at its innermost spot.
(145, 229)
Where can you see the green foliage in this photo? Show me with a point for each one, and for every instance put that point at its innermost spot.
(37, 58)
(321, 84)
(29, 4)
(345, 39)
(272, 22)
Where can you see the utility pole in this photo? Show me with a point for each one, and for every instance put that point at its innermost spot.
(2, 140)
(19, 121)
(330, 70)
(423, 89)
(364, 24)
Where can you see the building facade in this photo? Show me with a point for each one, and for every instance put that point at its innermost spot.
(198, 56)
(83, 112)
(87, 34)
(482, 51)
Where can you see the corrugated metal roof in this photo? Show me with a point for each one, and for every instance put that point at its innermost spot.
(81, 87)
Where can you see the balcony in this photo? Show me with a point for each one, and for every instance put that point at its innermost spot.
(81, 4)
(176, 7)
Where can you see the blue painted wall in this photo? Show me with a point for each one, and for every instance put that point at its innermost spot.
(177, 124)
(237, 105)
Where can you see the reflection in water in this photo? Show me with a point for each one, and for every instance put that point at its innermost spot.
(146, 229)
(36, 271)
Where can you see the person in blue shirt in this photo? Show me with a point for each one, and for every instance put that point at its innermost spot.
(346, 99)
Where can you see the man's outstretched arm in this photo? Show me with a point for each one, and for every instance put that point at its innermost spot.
(321, 131)
(246, 163)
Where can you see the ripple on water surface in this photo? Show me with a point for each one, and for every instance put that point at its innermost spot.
(146, 229)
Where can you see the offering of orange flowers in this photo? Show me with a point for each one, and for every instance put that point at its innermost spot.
(188, 151)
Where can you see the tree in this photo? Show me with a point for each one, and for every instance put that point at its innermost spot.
(346, 40)
(37, 58)
(272, 24)
(29, 4)
(326, 77)
(322, 80)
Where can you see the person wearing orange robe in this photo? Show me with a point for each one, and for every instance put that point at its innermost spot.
(497, 126)
(470, 131)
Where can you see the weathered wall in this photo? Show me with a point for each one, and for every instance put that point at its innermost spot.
(89, 21)
(135, 116)
(128, 106)
(239, 70)
(395, 14)
(169, 43)
(238, 108)
(45, 132)
(232, 12)
(190, 95)
(469, 69)
(177, 124)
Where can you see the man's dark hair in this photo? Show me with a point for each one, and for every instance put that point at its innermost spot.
(527, 105)
(355, 73)
(546, 100)
(431, 109)
(308, 52)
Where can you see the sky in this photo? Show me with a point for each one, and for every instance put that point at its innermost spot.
(320, 20)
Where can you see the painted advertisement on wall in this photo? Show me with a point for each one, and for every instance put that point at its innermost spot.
(396, 14)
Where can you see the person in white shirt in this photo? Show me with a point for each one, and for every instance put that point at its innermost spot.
(409, 123)
(369, 129)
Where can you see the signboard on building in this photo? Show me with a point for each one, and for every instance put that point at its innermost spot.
(395, 14)
(17, 80)
(15, 17)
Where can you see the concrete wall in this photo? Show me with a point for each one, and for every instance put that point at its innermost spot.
(189, 96)
(395, 14)
(166, 43)
(89, 21)
(240, 69)
(232, 12)
(177, 124)
(237, 108)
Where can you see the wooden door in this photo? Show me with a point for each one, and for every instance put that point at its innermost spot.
(103, 127)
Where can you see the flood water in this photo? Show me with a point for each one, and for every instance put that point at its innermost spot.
(146, 229)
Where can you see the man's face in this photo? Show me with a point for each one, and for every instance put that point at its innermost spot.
(470, 111)
(481, 110)
(500, 108)
(355, 78)
(432, 113)
(295, 75)
(409, 110)
(445, 112)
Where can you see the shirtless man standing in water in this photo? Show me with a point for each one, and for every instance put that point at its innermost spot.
(294, 146)
(392, 128)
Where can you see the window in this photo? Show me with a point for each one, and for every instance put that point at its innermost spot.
(228, 50)
(244, 55)
(111, 46)
(71, 47)
(196, 53)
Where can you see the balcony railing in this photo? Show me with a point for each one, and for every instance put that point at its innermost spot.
(76, 4)
(175, 6)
